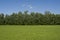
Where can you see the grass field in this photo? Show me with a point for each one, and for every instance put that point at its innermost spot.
(36, 32)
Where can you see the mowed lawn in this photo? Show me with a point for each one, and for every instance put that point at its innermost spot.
(27, 32)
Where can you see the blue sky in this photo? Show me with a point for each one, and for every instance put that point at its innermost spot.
(10, 6)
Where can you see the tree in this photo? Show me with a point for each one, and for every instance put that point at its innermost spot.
(1, 18)
(57, 19)
(34, 18)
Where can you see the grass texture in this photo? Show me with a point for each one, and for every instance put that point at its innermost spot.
(30, 32)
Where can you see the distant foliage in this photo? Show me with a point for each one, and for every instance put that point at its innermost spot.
(32, 18)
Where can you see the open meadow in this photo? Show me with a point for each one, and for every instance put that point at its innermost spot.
(30, 32)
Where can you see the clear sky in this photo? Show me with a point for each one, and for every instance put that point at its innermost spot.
(10, 6)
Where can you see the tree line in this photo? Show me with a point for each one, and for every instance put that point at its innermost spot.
(33, 18)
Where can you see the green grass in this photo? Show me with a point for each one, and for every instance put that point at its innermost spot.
(36, 32)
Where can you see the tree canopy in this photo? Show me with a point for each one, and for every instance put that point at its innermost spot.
(33, 18)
